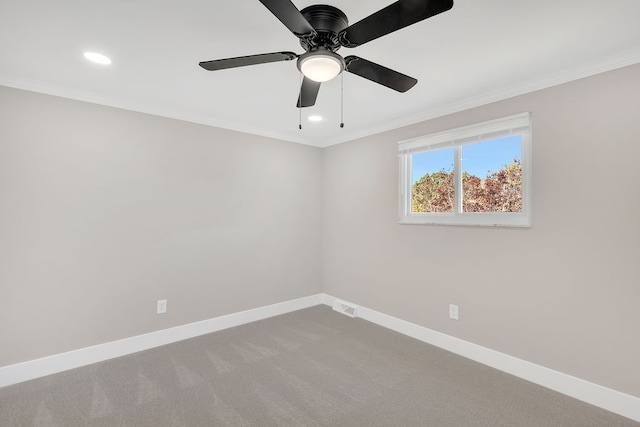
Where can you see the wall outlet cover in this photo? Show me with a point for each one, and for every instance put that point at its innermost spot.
(453, 311)
(161, 306)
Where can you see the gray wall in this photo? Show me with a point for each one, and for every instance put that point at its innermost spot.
(565, 293)
(104, 211)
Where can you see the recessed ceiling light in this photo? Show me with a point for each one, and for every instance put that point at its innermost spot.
(315, 118)
(97, 58)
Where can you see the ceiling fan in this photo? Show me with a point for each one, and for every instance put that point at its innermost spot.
(323, 29)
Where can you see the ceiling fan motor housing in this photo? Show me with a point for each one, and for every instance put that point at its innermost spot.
(328, 21)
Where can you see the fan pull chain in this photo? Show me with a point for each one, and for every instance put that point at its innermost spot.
(342, 100)
(300, 104)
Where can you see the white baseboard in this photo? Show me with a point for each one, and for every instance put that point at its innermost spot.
(29, 370)
(594, 394)
(597, 395)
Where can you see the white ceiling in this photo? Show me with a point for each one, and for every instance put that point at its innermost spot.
(478, 52)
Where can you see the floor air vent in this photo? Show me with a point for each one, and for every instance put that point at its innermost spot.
(345, 308)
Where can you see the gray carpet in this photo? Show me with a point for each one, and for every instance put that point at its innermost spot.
(314, 367)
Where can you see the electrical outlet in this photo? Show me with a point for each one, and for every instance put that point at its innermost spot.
(162, 306)
(453, 311)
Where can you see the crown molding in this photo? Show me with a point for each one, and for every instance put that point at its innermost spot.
(553, 79)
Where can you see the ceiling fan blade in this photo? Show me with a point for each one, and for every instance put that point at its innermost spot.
(392, 18)
(241, 61)
(290, 16)
(308, 93)
(379, 74)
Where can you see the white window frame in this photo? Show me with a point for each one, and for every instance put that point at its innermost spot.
(518, 124)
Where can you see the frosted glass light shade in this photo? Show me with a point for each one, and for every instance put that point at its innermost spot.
(321, 67)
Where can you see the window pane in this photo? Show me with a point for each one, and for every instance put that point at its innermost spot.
(492, 175)
(432, 187)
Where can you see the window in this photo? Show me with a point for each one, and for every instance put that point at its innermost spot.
(474, 175)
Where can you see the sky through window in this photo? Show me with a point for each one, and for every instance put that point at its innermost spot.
(478, 159)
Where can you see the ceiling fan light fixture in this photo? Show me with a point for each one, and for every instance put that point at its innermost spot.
(320, 65)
